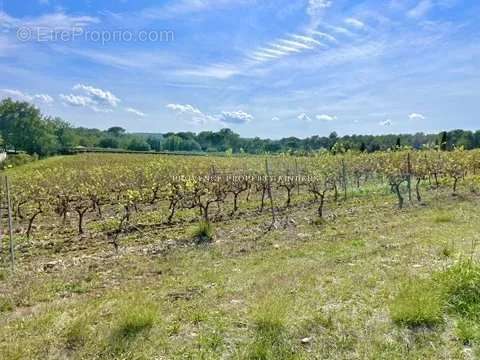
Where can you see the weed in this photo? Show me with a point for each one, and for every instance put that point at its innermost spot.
(467, 331)
(203, 232)
(447, 251)
(456, 290)
(358, 243)
(419, 303)
(134, 320)
(6, 305)
(462, 283)
(211, 341)
(271, 340)
(443, 217)
(76, 334)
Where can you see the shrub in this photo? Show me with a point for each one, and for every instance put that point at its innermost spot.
(457, 290)
(418, 303)
(467, 331)
(134, 320)
(462, 283)
(17, 160)
(76, 334)
(271, 340)
(203, 232)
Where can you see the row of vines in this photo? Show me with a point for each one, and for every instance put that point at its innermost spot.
(111, 189)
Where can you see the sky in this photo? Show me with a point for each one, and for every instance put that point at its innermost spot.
(267, 68)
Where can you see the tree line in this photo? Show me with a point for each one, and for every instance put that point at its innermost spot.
(24, 128)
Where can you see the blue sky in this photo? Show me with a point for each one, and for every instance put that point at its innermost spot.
(270, 68)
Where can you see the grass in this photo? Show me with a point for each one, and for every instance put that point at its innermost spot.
(350, 287)
(419, 303)
(443, 217)
(462, 285)
(271, 339)
(76, 334)
(203, 232)
(134, 320)
(6, 304)
(467, 331)
(455, 291)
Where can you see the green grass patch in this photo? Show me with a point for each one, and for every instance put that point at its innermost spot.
(76, 334)
(358, 243)
(443, 218)
(462, 286)
(134, 320)
(6, 305)
(203, 232)
(455, 291)
(467, 331)
(271, 338)
(418, 303)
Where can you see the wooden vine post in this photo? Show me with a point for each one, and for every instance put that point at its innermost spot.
(269, 188)
(409, 177)
(10, 224)
(1, 225)
(298, 177)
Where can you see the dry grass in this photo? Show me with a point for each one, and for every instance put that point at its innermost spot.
(302, 291)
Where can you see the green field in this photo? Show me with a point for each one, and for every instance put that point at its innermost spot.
(366, 281)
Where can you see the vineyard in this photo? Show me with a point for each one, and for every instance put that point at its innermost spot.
(222, 246)
(115, 192)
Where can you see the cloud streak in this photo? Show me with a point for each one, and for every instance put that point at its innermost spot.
(199, 117)
(325, 117)
(17, 94)
(135, 112)
(235, 117)
(416, 116)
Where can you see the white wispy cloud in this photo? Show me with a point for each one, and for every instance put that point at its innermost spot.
(416, 116)
(325, 35)
(98, 96)
(92, 98)
(199, 117)
(289, 45)
(235, 117)
(386, 123)
(187, 108)
(421, 9)
(183, 7)
(275, 118)
(58, 21)
(77, 100)
(218, 71)
(325, 117)
(194, 114)
(135, 112)
(355, 23)
(47, 99)
(314, 6)
(20, 95)
(304, 117)
(339, 30)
